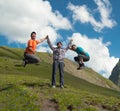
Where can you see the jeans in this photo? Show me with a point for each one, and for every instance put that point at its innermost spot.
(56, 65)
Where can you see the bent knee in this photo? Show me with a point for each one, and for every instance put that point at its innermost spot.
(76, 58)
(38, 60)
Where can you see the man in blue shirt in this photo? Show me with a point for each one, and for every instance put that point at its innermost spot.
(83, 56)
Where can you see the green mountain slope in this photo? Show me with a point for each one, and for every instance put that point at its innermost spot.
(28, 89)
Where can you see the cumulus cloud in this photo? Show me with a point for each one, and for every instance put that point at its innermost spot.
(19, 18)
(85, 15)
(100, 59)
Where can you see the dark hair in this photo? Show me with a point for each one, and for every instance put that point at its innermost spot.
(33, 33)
(59, 43)
(73, 45)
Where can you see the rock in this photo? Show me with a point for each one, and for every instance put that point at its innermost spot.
(115, 75)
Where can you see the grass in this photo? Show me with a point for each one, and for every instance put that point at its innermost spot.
(28, 89)
(13, 67)
(86, 74)
(28, 93)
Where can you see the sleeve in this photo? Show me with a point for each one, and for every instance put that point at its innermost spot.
(29, 43)
(37, 42)
(49, 43)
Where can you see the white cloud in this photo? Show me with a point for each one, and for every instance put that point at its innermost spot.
(85, 15)
(19, 18)
(42, 49)
(100, 59)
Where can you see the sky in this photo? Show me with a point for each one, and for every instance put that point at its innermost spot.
(92, 24)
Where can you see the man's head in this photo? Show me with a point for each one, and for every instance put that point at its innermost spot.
(33, 35)
(73, 47)
(59, 44)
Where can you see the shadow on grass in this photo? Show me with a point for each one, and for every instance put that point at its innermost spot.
(18, 65)
(6, 87)
(42, 85)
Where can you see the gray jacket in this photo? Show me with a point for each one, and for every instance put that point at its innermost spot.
(58, 53)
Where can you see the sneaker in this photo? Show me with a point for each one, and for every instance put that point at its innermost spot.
(79, 68)
(53, 86)
(24, 62)
(62, 86)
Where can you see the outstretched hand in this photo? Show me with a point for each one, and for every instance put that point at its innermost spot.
(47, 36)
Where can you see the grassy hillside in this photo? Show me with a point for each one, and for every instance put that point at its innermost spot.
(28, 89)
(70, 67)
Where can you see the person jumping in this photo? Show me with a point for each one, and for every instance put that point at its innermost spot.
(82, 57)
(29, 54)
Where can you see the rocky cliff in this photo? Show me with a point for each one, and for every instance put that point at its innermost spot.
(115, 75)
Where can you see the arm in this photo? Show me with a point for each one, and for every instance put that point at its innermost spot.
(69, 45)
(49, 43)
(43, 39)
(30, 49)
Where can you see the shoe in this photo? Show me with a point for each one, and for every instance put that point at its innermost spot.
(62, 86)
(24, 62)
(79, 68)
(53, 86)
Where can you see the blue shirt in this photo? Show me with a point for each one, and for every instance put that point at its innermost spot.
(81, 51)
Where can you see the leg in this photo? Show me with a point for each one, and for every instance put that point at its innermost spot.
(77, 59)
(80, 58)
(86, 58)
(25, 61)
(32, 58)
(61, 71)
(54, 70)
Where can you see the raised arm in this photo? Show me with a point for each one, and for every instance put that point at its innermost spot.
(69, 45)
(43, 39)
(49, 43)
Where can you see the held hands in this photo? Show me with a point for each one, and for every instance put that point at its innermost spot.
(71, 40)
(46, 37)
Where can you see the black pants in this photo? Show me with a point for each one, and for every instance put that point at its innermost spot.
(31, 58)
(58, 65)
(81, 57)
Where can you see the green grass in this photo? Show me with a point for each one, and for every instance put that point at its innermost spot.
(13, 67)
(28, 89)
(28, 93)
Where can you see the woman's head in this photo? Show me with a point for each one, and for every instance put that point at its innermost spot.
(33, 35)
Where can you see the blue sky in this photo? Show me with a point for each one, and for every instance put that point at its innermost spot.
(92, 24)
(108, 34)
